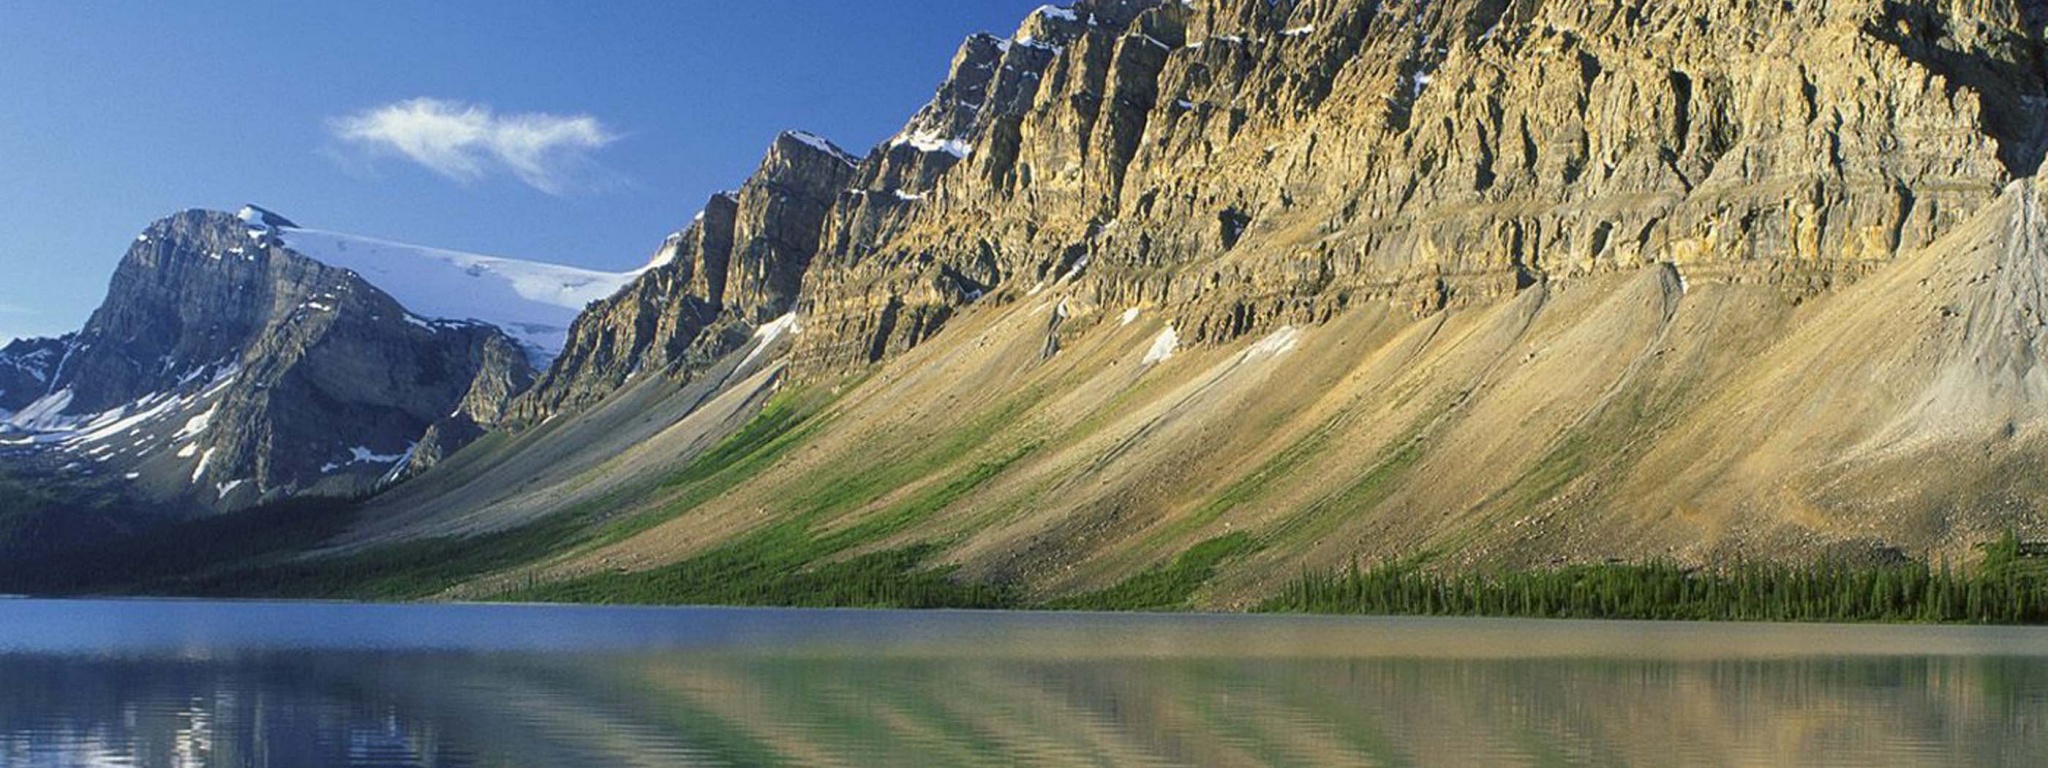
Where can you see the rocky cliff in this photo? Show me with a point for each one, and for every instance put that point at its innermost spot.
(225, 368)
(1246, 164)
(741, 263)
(1466, 281)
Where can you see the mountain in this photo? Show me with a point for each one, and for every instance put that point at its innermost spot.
(227, 367)
(740, 264)
(1220, 291)
(533, 302)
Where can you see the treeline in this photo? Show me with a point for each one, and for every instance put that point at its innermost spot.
(160, 558)
(896, 578)
(2008, 586)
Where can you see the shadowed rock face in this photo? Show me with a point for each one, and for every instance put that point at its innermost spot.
(241, 371)
(25, 368)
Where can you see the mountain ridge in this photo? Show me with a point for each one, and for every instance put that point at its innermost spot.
(226, 369)
(1472, 284)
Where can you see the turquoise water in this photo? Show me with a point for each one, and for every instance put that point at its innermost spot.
(173, 683)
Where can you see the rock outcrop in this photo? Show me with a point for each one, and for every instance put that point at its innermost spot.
(741, 263)
(225, 369)
(1247, 163)
(25, 369)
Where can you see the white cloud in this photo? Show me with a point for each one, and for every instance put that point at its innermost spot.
(467, 142)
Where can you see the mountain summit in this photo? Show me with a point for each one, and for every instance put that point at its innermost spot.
(226, 366)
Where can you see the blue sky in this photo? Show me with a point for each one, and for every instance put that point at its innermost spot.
(577, 132)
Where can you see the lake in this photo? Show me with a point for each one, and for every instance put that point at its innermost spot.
(189, 683)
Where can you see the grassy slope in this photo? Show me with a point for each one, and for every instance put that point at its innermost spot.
(1574, 426)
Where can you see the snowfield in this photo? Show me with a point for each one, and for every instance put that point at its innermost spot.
(532, 301)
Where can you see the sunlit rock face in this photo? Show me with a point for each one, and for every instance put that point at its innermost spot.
(1248, 164)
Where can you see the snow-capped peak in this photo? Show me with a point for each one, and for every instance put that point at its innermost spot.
(533, 302)
(261, 221)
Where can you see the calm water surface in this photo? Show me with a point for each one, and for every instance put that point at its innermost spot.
(170, 683)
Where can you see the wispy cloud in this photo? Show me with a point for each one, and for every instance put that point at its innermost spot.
(468, 142)
(14, 309)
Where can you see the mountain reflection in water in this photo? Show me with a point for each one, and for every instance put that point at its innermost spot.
(707, 687)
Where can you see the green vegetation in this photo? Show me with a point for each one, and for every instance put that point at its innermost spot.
(263, 551)
(749, 574)
(788, 563)
(419, 569)
(1167, 587)
(49, 513)
(783, 423)
(1254, 485)
(159, 559)
(407, 571)
(856, 534)
(805, 556)
(2010, 586)
(1371, 488)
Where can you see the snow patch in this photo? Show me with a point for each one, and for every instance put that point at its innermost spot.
(398, 467)
(1056, 12)
(200, 470)
(1162, 347)
(1277, 343)
(1305, 29)
(362, 454)
(533, 302)
(46, 413)
(124, 419)
(931, 142)
(1130, 316)
(670, 246)
(819, 143)
(252, 217)
(1075, 271)
(767, 334)
(1038, 45)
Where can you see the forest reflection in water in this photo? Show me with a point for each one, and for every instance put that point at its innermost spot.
(805, 688)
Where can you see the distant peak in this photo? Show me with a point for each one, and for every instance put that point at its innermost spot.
(257, 216)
